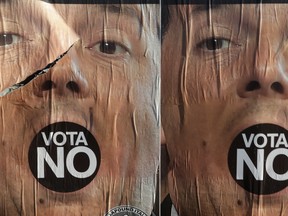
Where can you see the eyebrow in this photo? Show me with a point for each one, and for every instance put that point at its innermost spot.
(122, 9)
(206, 7)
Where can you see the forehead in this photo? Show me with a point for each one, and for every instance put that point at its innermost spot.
(141, 16)
(236, 16)
(130, 11)
(140, 13)
(248, 10)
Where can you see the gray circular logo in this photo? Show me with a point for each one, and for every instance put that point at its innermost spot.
(126, 211)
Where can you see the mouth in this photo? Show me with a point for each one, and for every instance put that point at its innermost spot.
(64, 157)
(258, 159)
(64, 113)
(256, 113)
(274, 199)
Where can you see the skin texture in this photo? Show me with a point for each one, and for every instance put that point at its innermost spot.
(116, 100)
(210, 94)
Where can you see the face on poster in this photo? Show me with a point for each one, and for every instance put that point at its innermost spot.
(224, 108)
(82, 137)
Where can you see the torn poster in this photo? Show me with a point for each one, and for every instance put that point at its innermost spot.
(80, 89)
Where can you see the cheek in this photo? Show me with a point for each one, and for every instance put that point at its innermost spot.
(124, 118)
(123, 87)
(17, 131)
(15, 69)
(205, 82)
(19, 63)
(171, 76)
(193, 137)
(16, 138)
(172, 58)
(110, 87)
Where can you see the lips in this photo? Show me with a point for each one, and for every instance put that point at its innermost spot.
(64, 157)
(40, 118)
(258, 159)
(255, 112)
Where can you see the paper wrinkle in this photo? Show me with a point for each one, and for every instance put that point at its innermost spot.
(206, 100)
(37, 74)
(120, 109)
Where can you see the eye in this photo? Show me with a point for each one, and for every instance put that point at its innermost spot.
(109, 47)
(7, 39)
(214, 44)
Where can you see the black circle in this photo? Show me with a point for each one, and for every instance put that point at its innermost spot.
(54, 174)
(247, 157)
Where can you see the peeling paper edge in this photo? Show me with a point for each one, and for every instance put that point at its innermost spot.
(34, 75)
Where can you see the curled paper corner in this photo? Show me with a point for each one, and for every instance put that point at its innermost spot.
(35, 74)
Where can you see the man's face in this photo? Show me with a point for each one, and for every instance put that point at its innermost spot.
(107, 82)
(229, 74)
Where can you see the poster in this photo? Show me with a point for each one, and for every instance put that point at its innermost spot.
(143, 108)
(80, 89)
(224, 108)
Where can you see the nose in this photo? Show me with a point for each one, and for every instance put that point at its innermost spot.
(268, 77)
(65, 79)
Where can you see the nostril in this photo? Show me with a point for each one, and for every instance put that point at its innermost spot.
(73, 86)
(48, 85)
(253, 85)
(276, 86)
